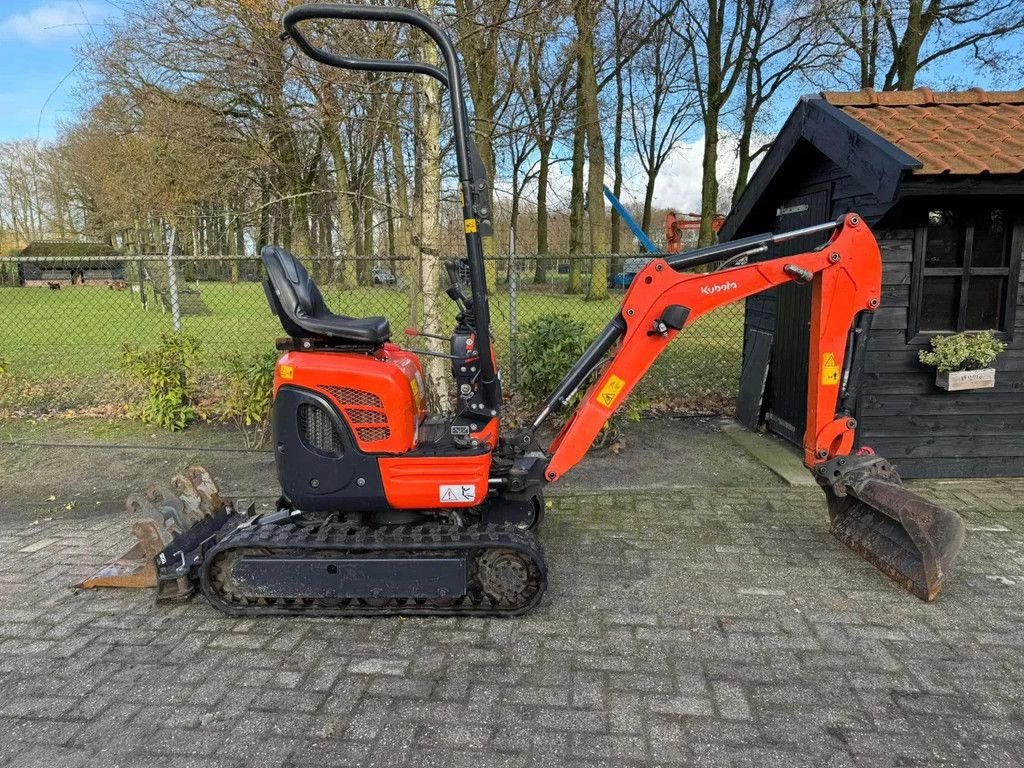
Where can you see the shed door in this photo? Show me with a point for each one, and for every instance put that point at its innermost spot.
(787, 377)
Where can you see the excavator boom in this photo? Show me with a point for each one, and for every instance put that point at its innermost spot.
(906, 537)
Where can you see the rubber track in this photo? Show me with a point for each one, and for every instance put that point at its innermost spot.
(291, 540)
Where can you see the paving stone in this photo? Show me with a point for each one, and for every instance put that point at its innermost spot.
(703, 627)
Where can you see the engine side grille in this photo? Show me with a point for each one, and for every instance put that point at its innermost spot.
(359, 408)
(364, 416)
(317, 432)
(369, 434)
(357, 397)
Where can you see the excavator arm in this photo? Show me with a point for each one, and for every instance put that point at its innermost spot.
(845, 276)
(909, 539)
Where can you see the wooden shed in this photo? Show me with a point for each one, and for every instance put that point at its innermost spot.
(940, 179)
(69, 262)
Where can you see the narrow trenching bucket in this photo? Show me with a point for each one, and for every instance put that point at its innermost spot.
(168, 518)
(908, 538)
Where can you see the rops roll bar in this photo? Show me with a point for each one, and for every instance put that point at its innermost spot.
(476, 206)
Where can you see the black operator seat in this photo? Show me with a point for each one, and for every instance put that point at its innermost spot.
(300, 306)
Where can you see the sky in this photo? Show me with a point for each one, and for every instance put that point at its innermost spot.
(38, 82)
(37, 63)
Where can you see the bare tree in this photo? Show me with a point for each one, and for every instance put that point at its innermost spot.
(718, 33)
(891, 41)
(546, 98)
(588, 124)
(786, 43)
(662, 105)
(430, 216)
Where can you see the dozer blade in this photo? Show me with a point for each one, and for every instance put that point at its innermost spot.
(171, 526)
(908, 538)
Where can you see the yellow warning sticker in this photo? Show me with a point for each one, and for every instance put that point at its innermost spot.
(286, 372)
(470, 226)
(610, 391)
(829, 370)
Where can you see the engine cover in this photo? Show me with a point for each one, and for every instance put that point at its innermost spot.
(380, 396)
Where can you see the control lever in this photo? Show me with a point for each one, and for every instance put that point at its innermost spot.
(454, 291)
(451, 266)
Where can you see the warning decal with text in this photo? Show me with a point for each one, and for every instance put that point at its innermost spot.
(829, 370)
(610, 391)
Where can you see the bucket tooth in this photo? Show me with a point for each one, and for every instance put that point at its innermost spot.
(206, 487)
(143, 508)
(188, 495)
(907, 537)
(170, 506)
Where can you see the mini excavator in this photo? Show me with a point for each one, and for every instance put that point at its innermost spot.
(388, 509)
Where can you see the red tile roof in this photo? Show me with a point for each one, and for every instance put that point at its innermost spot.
(960, 132)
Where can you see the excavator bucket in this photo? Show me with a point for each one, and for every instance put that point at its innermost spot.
(168, 517)
(911, 540)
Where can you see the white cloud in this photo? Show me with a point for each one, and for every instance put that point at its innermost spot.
(52, 21)
(677, 186)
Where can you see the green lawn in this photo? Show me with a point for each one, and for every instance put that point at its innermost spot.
(64, 346)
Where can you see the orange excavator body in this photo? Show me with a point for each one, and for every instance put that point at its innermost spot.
(386, 508)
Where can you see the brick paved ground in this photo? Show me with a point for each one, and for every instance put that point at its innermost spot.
(699, 627)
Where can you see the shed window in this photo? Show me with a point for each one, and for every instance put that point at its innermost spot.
(965, 258)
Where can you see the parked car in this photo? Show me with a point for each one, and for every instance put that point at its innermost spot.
(382, 276)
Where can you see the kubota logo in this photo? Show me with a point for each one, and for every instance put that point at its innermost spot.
(707, 290)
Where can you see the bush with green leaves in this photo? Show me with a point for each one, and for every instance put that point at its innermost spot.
(5, 369)
(166, 375)
(962, 352)
(247, 402)
(545, 349)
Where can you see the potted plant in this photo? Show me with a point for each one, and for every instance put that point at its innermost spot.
(963, 360)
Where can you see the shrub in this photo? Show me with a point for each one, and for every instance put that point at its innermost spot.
(546, 349)
(962, 352)
(166, 374)
(250, 383)
(5, 369)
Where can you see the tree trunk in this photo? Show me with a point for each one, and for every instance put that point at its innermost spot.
(430, 221)
(366, 263)
(616, 241)
(343, 200)
(743, 155)
(401, 211)
(652, 178)
(576, 238)
(540, 274)
(585, 19)
(709, 179)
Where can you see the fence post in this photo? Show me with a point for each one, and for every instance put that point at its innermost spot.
(172, 284)
(513, 320)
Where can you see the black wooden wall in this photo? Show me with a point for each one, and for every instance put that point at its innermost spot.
(925, 431)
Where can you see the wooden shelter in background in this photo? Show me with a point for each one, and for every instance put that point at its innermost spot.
(940, 179)
(69, 262)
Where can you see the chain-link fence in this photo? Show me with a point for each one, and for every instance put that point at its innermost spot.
(66, 319)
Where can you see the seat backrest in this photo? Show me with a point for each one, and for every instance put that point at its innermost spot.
(291, 292)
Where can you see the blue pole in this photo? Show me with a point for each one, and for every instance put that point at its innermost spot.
(641, 236)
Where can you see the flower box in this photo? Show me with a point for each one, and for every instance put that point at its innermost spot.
(983, 378)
